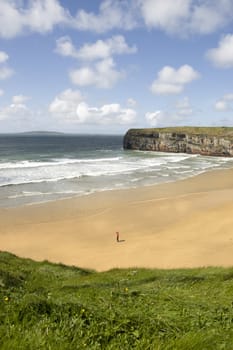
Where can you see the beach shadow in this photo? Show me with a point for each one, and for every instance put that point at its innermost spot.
(121, 240)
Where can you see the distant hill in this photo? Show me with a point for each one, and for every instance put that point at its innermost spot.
(40, 133)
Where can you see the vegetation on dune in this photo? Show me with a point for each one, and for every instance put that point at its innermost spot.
(227, 132)
(52, 306)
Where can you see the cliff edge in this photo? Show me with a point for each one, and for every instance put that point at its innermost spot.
(210, 141)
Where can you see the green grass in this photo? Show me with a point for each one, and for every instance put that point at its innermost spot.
(53, 306)
(226, 132)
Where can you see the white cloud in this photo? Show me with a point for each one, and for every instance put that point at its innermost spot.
(65, 105)
(178, 115)
(69, 106)
(222, 56)
(112, 15)
(160, 88)
(131, 102)
(65, 47)
(5, 73)
(161, 118)
(40, 16)
(19, 17)
(184, 17)
(16, 110)
(155, 118)
(101, 70)
(210, 15)
(225, 104)
(103, 74)
(172, 81)
(1, 92)
(105, 115)
(228, 97)
(221, 105)
(19, 99)
(166, 15)
(101, 49)
(43, 15)
(3, 57)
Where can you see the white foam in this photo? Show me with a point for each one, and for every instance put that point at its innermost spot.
(55, 162)
(136, 168)
(33, 194)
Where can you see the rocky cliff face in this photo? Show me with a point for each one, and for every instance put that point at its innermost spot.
(204, 141)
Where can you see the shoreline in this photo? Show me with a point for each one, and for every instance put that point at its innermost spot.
(187, 223)
(84, 195)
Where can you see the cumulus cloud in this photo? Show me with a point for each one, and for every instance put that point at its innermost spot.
(106, 114)
(161, 118)
(112, 14)
(207, 16)
(225, 104)
(166, 15)
(184, 17)
(101, 69)
(65, 104)
(101, 49)
(131, 102)
(65, 47)
(69, 106)
(222, 56)
(172, 81)
(178, 115)
(3, 57)
(221, 105)
(40, 16)
(17, 109)
(5, 73)
(155, 118)
(20, 99)
(102, 74)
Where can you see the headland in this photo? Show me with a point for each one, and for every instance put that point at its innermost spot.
(210, 141)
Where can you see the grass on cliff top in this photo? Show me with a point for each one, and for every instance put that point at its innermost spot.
(211, 131)
(53, 306)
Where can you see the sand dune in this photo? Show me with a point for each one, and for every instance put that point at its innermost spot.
(184, 224)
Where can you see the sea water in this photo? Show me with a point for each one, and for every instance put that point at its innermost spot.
(40, 168)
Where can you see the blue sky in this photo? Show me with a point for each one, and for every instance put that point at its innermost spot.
(90, 66)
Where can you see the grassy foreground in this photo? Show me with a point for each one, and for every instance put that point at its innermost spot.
(52, 306)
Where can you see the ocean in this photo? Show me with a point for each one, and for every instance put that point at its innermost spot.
(41, 168)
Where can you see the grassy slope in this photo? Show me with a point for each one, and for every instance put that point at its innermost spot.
(52, 306)
(227, 132)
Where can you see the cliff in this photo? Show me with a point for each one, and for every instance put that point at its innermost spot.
(211, 141)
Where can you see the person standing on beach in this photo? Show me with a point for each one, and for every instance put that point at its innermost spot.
(117, 236)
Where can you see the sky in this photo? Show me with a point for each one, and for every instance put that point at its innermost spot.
(104, 66)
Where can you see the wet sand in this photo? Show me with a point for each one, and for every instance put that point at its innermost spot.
(188, 223)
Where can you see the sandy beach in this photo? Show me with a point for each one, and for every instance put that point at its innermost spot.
(188, 223)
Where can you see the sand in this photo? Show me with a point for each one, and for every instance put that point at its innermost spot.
(188, 223)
